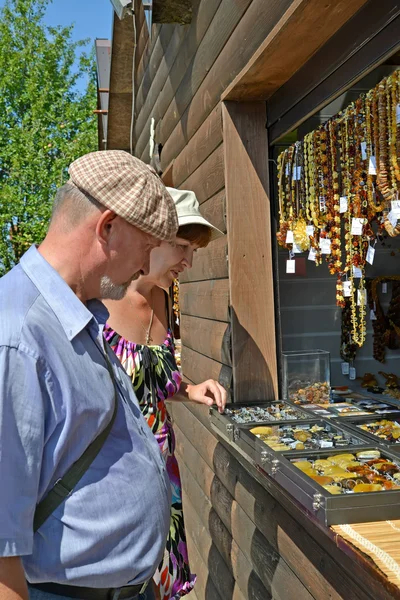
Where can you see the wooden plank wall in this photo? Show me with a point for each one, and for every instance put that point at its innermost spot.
(181, 72)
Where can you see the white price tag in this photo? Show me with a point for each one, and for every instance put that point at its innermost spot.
(361, 297)
(357, 272)
(347, 289)
(370, 255)
(325, 245)
(384, 287)
(298, 173)
(287, 170)
(396, 208)
(326, 444)
(296, 249)
(364, 150)
(372, 315)
(352, 373)
(290, 266)
(398, 114)
(343, 204)
(372, 165)
(345, 368)
(312, 255)
(392, 218)
(289, 237)
(310, 230)
(322, 204)
(357, 226)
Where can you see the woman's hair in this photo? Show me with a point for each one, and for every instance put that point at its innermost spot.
(195, 233)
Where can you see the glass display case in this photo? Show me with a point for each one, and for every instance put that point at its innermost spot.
(306, 376)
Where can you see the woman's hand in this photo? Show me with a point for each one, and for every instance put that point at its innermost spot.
(209, 392)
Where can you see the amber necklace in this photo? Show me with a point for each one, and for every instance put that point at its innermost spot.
(391, 98)
(301, 238)
(383, 178)
(283, 195)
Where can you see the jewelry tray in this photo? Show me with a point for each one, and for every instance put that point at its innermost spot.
(336, 509)
(352, 425)
(263, 455)
(228, 426)
(327, 508)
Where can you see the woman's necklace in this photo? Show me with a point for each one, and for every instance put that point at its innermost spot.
(149, 339)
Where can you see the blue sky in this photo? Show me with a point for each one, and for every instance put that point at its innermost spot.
(92, 18)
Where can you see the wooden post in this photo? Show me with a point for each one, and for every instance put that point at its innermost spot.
(251, 284)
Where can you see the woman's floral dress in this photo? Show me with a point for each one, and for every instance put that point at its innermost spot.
(156, 377)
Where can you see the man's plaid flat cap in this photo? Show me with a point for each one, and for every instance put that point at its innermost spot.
(130, 188)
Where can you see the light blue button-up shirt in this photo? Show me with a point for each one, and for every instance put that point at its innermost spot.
(56, 395)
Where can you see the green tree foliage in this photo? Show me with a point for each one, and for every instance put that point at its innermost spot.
(45, 121)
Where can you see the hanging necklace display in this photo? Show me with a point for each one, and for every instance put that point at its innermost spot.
(338, 182)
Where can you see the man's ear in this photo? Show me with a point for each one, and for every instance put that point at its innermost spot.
(105, 226)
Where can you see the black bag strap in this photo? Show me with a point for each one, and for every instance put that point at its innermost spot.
(64, 486)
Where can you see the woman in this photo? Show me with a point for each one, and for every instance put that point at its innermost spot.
(140, 332)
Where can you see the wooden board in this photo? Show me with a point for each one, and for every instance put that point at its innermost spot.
(213, 530)
(159, 50)
(200, 23)
(144, 60)
(199, 512)
(250, 254)
(192, 429)
(208, 179)
(199, 368)
(214, 210)
(142, 33)
(345, 43)
(211, 338)
(255, 25)
(203, 143)
(207, 299)
(120, 95)
(157, 72)
(209, 263)
(167, 175)
(288, 47)
(221, 27)
(205, 588)
(372, 53)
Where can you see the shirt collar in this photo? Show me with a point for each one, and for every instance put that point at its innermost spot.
(72, 314)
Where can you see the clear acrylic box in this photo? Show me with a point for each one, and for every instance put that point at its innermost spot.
(306, 376)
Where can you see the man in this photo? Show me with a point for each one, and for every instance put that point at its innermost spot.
(58, 390)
